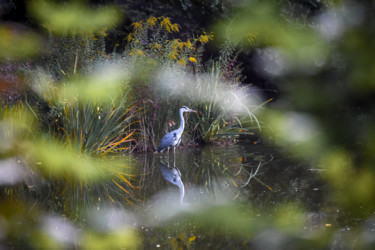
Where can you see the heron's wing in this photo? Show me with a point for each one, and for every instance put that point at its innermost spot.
(169, 140)
(166, 141)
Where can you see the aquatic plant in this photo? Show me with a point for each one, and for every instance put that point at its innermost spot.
(223, 103)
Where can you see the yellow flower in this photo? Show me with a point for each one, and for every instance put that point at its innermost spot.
(151, 21)
(156, 46)
(189, 45)
(177, 44)
(192, 59)
(182, 61)
(173, 55)
(137, 25)
(137, 52)
(166, 23)
(204, 38)
(130, 37)
(176, 27)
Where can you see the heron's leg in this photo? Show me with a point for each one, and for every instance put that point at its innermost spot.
(174, 156)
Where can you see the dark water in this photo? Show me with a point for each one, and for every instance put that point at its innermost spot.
(236, 196)
(251, 176)
(258, 174)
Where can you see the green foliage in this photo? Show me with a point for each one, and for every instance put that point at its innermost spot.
(15, 45)
(326, 80)
(222, 104)
(17, 123)
(88, 111)
(66, 55)
(73, 17)
(125, 238)
(97, 128)
(87, 116)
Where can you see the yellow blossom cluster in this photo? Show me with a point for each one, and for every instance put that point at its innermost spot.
(175, 49)
(137, 52)
(205, 38)
(164, 22)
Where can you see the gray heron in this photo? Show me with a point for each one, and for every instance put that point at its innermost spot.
(173, 138)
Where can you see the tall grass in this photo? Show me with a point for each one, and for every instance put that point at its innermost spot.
(88, 120)
(64, 168)
(98, 128)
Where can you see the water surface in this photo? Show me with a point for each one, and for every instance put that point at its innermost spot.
(233, 196)
(255, 176)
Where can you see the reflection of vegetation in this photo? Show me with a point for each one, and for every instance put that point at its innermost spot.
(215, 171)
(219, 174)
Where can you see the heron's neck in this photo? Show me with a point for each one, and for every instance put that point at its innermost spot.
(182, 121)
(182, 192)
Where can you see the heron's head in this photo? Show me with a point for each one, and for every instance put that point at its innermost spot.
(186, 109)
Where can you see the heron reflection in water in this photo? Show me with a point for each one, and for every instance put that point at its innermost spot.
(173, 175)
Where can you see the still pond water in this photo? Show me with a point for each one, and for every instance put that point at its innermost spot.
(236, 196)
(248, 176)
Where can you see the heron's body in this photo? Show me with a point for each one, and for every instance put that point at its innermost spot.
(170, 140)
(173, 138)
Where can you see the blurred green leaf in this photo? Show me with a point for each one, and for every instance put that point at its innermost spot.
(74, 17)
(17, 124)
(16, 44)
(261, 24)
(59, 160)
(120, 239)
(298, 132)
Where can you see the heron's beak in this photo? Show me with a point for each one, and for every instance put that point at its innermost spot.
(193, 111)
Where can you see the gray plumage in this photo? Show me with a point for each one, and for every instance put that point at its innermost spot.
(173, 138)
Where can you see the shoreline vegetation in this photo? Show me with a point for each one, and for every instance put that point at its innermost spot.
(118, 102)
